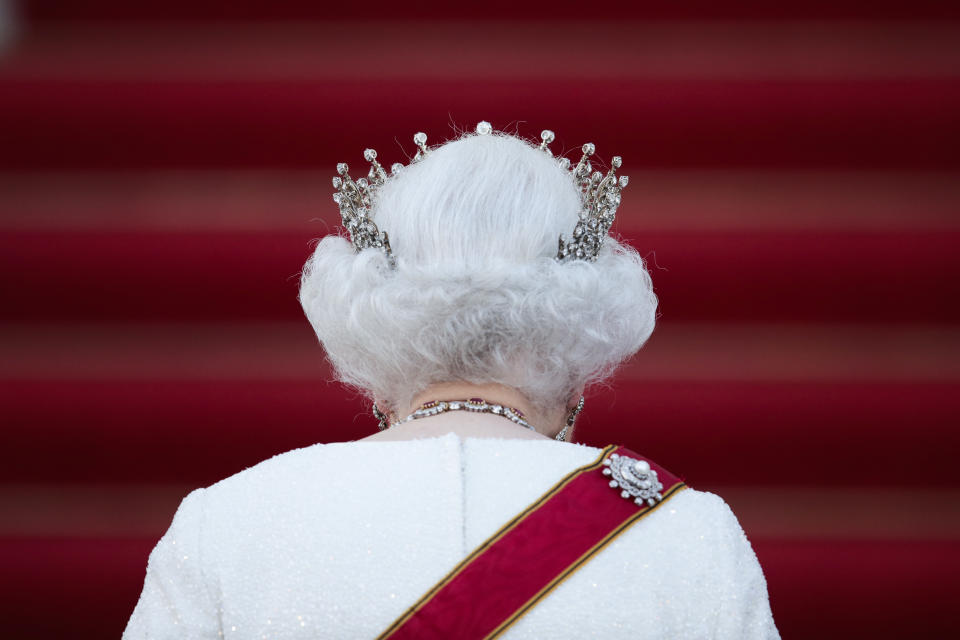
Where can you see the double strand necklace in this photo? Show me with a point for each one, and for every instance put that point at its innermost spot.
(476, 405)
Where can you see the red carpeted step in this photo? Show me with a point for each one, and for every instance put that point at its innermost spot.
(493, 10)
(197, 432)
(688, 123)
(620, 50)
(858, 588)
(675, 352)
(68, 587)
(231, 276)
(656, 200)
(835, 512)
(861, 588)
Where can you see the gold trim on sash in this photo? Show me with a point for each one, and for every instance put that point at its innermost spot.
(506, 624)
(496, 536)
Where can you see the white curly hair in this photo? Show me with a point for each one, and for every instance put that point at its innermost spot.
(477, 295)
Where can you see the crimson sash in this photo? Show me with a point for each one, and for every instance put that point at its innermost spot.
(509, 573)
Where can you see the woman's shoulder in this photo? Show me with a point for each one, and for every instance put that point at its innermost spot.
(321, 459)
(321, 463)
(282, 464)
(332, 459)
(703, 505)
(325, 475)
(701, 517)
(703, 536)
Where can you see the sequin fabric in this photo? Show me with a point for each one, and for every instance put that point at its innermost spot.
(337, 540)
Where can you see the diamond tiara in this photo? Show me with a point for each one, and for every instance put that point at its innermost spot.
(599, 199)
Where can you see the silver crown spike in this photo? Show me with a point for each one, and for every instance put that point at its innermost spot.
(547, 137)
(420, 139)
(583, 167)
(377, 175)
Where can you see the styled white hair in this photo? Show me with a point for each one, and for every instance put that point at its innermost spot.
(477, 294)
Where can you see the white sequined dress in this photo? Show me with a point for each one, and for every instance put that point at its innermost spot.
(337, 540)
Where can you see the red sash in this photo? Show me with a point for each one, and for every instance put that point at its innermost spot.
(520, 564)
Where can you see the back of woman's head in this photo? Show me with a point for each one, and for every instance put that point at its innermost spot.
(477, 294)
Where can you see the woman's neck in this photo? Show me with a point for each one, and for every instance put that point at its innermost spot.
(472, 424)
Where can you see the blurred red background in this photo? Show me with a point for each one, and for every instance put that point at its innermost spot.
(165, 166)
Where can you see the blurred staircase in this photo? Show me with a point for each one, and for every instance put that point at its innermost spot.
(164, 169)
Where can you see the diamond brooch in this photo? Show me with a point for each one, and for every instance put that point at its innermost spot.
(634, 478)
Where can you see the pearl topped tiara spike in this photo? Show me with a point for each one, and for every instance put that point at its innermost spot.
(599, 199)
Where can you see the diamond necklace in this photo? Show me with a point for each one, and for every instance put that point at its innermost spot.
(476, 405)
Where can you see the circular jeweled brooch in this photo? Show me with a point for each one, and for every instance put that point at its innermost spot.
(634, 478)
